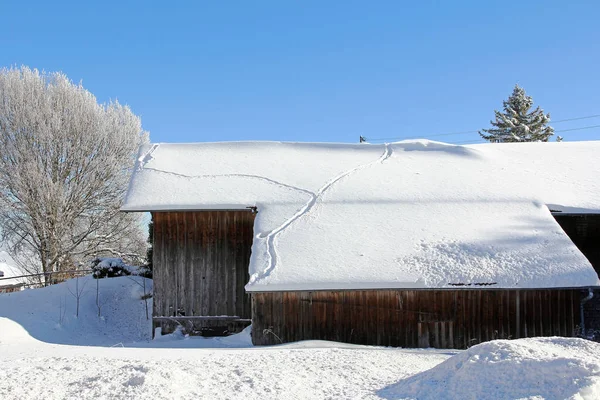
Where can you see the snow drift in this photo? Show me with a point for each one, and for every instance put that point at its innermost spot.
(548, 368)
(416, 214)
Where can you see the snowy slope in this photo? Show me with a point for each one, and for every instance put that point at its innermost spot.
(404, 215)
(49, 314)
(540, 368)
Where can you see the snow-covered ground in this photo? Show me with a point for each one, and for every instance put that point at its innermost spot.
(47, 352)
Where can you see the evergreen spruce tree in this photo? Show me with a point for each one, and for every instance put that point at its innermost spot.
(516, 123)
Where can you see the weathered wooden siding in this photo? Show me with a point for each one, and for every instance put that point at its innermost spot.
(413, 318)
(200, 263)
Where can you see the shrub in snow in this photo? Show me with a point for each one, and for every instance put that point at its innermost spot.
(144, 271)
(109, 268)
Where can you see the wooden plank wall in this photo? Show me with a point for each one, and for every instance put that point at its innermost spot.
(413, 318)
(200, 266)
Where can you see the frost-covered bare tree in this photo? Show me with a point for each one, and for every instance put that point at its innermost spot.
(65, 161)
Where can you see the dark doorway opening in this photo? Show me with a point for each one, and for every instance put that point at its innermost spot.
(584, 231)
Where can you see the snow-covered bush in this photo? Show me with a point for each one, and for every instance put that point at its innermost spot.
(144, 271)
(113, 267)
(109, 268)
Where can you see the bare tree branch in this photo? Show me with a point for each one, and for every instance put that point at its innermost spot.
(64, 168)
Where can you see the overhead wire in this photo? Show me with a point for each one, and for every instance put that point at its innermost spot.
(477, 131)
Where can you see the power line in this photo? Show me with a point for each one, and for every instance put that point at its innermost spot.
(579, 129)
(477, 131)
(575, 119)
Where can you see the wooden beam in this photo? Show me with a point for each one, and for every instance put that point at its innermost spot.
(204, 318)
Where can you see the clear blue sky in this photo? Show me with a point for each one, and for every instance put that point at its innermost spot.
(316, 70)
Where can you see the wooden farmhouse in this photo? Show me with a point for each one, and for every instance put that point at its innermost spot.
(412, 244)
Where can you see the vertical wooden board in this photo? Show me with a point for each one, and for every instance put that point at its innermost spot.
(568, 313)
(479, 315)
(512, 315)
(492, 318)
(338, 322)
(370, 325)
(217, 281)
(212, 265)
(196, 264)
(380, 325)
(547, 315)
(393, 314)
(562, 313)
(412, 317)
(333, 320)
(434, 318)
(555, 312)
(233, 244)
(326, 300)
(182, 262)
(175, 266)
(423, 330)
(290, 312)
(501, 315)
(325, 314)
(315, 315)
(461, 330)
(226, 307)
(466, 327)
(360, 324)
(189, 259)
(469, 336)
(156, 264)
(399, 327)
(276, 316)
(576, 315)
(486, 324)
(524, 314)
(530, 313)
(474, 310)
(358, 321)
(303, 316)
(353, 316)
(435, 335)
(171, 265)
(258, 323)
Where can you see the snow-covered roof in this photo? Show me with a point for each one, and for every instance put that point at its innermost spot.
(415, 214)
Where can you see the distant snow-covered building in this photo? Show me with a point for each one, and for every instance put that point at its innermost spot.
(9, 275)
(414, 243)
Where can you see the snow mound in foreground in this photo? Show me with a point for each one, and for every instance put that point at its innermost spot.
(549, 368)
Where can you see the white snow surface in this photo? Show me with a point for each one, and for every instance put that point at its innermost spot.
(536, 368)
(112, 357)
(416, 214)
